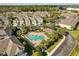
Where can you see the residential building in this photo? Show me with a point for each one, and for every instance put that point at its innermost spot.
(15, 21)
(21, 21)
(39, 20)
(26, 21)
(11, 46)
(69, 22)
(33, 21)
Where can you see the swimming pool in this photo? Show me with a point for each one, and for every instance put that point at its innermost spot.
(35, 37)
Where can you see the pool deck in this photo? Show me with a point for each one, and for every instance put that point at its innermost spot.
(37, 42)
(38, 33)
(35, 37)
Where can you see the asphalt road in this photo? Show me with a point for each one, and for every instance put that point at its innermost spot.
(66, 47)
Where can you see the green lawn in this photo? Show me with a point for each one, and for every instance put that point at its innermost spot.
(75, 34)
(53, 46)
(35, 54)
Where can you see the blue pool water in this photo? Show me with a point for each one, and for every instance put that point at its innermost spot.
(35, 37)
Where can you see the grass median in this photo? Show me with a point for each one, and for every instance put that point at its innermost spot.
(53, 46)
